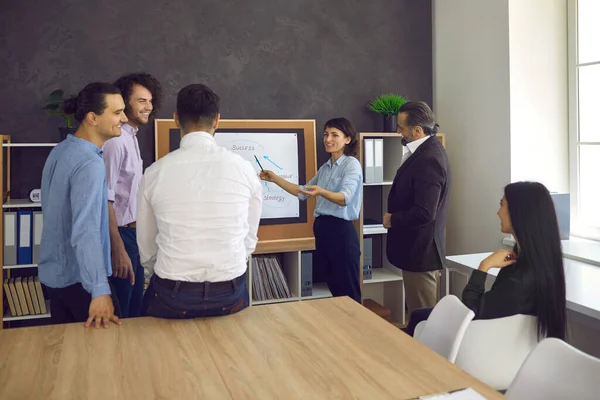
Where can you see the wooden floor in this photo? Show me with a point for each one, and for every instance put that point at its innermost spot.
(320, 349)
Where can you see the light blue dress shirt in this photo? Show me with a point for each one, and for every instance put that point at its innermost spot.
(344, 176)
(75, 244)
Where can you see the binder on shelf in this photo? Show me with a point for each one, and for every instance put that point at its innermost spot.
(24, 237)
(33, 294)
(368, 251)
(40, 295)
(282, 288)
(378, 156)
(11, 304)
(13, 292)
(10, 238)
(21, 294)
(367, 272)
(28, 299)
(369, 161)
(38, 224)
(306, 273)
(270, 280)
(257, 290)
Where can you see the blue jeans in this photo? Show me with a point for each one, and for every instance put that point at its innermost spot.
(181, 300)
(130, 297)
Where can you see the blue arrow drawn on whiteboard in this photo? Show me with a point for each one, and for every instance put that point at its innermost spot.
(267, 186)
(271, 161)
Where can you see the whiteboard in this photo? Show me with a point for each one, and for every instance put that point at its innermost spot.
(276, 151)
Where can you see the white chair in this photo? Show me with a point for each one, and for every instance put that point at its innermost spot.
(444, 329)
(556, 370)
(493, 350)
(419, 329)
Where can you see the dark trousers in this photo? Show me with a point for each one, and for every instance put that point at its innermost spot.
(72, 304)
(165, 298)
(130, 297)
(338, 254)
(418, 315)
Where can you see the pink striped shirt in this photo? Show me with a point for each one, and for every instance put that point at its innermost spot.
(124, 170)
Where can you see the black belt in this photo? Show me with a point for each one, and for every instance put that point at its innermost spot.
(200, 286)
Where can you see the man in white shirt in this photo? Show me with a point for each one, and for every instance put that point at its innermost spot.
(198, 213)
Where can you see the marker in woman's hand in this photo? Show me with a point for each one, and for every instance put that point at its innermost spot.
(258, 162)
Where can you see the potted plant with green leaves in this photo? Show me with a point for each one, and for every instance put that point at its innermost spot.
(54, 107)
(388, 105)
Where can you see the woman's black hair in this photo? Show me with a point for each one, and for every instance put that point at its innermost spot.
(535, 227)
(351, 149)
(92, 98)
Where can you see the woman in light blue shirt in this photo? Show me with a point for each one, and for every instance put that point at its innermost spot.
(338, 189)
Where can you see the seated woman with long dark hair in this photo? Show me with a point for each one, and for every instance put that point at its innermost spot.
(532, 279)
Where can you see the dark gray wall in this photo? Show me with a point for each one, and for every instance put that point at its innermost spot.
(265, 58)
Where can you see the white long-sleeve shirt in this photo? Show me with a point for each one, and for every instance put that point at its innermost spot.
(198, 212)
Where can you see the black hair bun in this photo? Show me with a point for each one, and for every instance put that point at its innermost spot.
(70, 105)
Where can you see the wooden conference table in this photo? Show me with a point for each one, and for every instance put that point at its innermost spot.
(318, 349)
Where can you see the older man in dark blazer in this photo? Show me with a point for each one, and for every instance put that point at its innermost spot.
(416, 215)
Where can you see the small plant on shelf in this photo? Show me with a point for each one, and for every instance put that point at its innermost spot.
(388, 105)
(54, 107)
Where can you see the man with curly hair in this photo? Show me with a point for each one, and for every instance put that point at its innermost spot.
(124, 169)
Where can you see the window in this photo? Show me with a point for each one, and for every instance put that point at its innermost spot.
(584, 116)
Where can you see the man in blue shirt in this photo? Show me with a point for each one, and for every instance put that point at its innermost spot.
(75, 260)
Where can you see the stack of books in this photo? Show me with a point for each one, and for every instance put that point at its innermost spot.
(25, 296)
(268, 280)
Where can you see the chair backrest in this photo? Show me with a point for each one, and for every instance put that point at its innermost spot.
(493, 350)
(556, 370)
(419, 329)
(446, 327)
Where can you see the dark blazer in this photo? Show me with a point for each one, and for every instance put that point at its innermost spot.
(417, 201)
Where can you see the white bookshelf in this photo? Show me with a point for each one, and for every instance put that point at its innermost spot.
(19, 266)
(21, 203)
(386, 183)
(374, 230)
(386, 286)
(381, 275)
(274, 301)
(292, 270)
(319, 291)
(12, 271)
(8, 317)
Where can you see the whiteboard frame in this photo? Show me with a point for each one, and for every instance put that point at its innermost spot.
(288, 233)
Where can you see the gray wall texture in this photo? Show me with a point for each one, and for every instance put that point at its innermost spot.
(295, 59)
